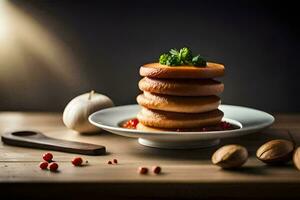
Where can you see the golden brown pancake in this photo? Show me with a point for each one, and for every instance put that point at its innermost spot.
(178, 103)
(164, 119)
(157, 70)
(142, 127)
(182, 87)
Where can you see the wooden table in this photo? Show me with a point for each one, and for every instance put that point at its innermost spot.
(186, 173)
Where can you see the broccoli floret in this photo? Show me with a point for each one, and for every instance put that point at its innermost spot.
(199, 61)
(173, 60)
(186, 55)
(163, 58)
(182, 57)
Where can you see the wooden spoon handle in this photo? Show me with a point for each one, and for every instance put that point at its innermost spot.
(38, 140)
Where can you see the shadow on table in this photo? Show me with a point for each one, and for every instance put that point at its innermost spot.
(251, 142)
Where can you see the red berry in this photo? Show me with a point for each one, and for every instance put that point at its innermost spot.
(115, 161)
(77, 161)
(48, 157)
(143, 170)
(43, 165)
(53, 166)
(109, 162)
(156, 169)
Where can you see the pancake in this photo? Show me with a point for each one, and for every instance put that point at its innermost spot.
(157, 70)
(182, 87)
(164, 119)
(178, 103)
(142, 127)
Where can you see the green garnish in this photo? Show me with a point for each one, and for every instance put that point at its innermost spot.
(198, 61)
(186, 55)
(167, 59)
(163, 58)
(173, 60)
(182, 57)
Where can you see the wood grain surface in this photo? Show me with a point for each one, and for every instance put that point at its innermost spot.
(186, 173)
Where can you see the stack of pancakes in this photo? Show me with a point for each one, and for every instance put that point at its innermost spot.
(179, 97)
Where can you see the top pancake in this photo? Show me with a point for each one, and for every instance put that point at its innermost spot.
(157, 70)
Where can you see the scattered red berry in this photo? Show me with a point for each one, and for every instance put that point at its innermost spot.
(156, 169)
(48, 157)
(44, 165)
(109, 162)
(77, 161)
(143, 170)
(53, 167)
(115, 161)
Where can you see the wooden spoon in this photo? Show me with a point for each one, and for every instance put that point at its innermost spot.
(38, 140)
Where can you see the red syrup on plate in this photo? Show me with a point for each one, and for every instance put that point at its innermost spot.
(222, 126)
(130, 124)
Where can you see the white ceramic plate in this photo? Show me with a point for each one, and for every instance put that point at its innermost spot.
(249, 120)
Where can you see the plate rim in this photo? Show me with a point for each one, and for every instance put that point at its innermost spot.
(179, 133)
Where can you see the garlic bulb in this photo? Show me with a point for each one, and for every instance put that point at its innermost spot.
(77, 111)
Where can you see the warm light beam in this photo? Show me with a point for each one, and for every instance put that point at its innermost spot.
(3, 21)
(23, 40)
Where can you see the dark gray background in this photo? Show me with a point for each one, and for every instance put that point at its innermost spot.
(258, 41)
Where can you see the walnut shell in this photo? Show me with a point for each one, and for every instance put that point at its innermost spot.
(296, 158)
(230, 156)
(275, 152)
